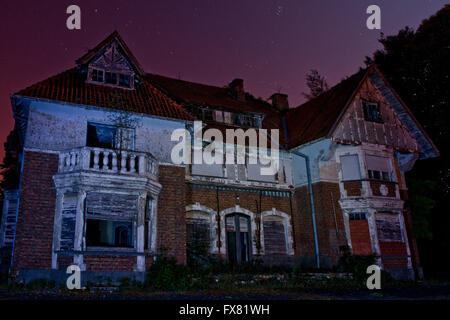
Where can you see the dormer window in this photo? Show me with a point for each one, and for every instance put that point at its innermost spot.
(97, 75)
(110, 77)
(113, 78)
(124, 80)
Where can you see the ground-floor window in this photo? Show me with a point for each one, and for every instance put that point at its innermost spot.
(198, 234)
(107, 233)
(274, 235)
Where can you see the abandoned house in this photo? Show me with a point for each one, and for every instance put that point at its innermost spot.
(98, 187)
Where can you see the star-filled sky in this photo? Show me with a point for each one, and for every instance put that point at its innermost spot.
(271, 44)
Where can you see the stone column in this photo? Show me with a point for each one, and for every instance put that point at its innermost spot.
(371, 221)
(57, 228)
(140, 236)
(79, 230)
(153, 225)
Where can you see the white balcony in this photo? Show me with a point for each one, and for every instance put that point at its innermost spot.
(108, 161)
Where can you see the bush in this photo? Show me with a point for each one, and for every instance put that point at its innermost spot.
(165, 273)
(356, 264)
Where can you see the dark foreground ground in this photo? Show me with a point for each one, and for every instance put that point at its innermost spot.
(421, 291)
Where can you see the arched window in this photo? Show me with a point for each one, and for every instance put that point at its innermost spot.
(198, 233)
(274, 235)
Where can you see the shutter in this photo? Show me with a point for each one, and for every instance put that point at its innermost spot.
(377, 163)
(350, 167)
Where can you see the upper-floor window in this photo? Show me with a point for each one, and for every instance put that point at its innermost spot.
(124, 80)
(350, 167)
(111, 78)
(97, 75)
(212, 115)
(109, 137)
(379, 168)
(372, 111)
(101, 136)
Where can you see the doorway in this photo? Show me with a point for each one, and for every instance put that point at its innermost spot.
(238, 237)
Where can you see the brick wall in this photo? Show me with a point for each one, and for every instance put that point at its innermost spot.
(360, 237)
(353, 188)
(227, 199)
(109, 263)
(393, 255)
(375, 186)
(329, 238)
(172, 212)
(34, 233)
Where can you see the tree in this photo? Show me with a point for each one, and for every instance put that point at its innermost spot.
(316, 84)
(417, 64)
(124, 119)
(9, 167)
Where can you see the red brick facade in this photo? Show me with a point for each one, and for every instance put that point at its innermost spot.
(353, 188)
(329, 221)
(172, 212)
(375, 186)
(34, 231)
(360, 237)
(224, 199)
(109, 263)
(393, 255)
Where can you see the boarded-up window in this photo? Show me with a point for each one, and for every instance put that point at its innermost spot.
(112, 205)
(198, 230)
(388, 227)
(350, 167)
(274, 235)
(68, 218)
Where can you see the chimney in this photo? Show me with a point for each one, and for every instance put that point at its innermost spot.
(237, 89)
(280, 101)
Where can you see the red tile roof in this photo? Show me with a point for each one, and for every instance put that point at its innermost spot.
(206, 95)
(70, 86)
(315, 118)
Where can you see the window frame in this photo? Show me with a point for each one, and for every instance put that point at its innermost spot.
(368, 113)
(121, 223)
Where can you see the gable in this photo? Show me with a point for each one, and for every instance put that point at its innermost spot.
(112, 58)
(354, 128)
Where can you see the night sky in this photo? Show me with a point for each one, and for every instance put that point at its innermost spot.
(271, 44)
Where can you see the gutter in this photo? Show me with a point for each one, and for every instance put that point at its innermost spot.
(311, 197)
(311, 202)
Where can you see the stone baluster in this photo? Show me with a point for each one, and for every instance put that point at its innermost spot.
(123, 162)
(96, 158)
(72, 160)
(61, 162)
(85, 158)
(105, 160)
(67, 161)
(132, 163)
(114, 162)
(142, 168)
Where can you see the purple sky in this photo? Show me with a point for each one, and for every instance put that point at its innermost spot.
(271, 44)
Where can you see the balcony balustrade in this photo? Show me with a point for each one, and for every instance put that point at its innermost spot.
(108, 161)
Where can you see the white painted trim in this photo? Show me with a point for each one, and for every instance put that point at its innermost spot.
(287, 229)
(237, 209)
(212, 223)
